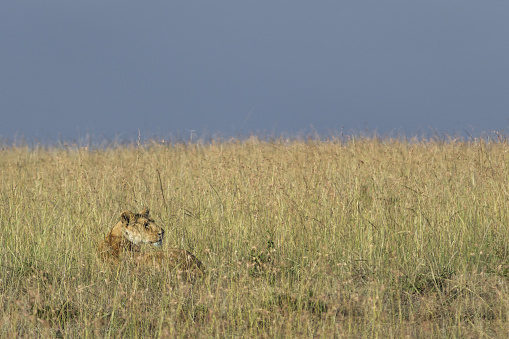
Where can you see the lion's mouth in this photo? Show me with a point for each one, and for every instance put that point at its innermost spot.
(158, 243)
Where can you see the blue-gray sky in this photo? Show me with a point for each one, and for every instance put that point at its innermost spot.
(111, 67)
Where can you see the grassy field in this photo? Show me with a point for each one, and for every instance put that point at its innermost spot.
(364, 238)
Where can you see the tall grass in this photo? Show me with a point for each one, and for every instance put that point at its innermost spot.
(366, 238)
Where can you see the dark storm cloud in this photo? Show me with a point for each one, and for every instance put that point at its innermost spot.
(113, 67)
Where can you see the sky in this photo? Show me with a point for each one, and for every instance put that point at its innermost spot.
(112, 69)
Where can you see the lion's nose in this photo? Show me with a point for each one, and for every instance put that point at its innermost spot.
(161, 234)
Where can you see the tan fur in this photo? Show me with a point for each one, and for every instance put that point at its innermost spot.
(122, 243)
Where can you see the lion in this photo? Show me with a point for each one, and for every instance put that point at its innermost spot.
(122, 243)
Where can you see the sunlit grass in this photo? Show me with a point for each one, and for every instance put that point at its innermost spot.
(367, 238)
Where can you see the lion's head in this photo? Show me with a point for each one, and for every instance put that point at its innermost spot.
(139, 228)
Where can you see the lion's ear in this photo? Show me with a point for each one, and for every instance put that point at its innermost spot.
(145, 212)
(126, 216)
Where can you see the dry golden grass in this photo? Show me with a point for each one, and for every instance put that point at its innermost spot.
(366, 238)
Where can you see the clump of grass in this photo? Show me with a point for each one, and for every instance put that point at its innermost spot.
(365, 237)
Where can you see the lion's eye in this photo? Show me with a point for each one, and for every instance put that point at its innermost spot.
(146, 225)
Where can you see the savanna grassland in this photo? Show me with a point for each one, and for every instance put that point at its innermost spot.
(357, 238)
